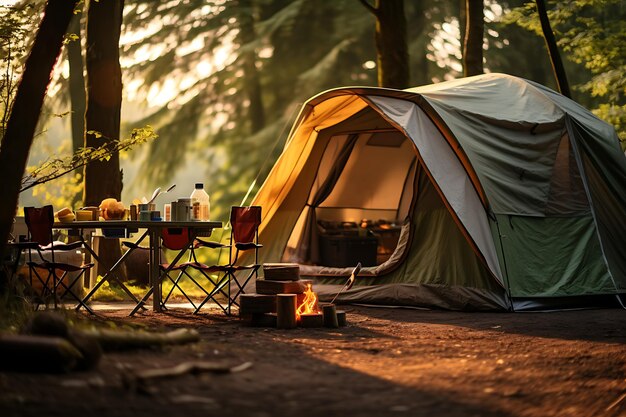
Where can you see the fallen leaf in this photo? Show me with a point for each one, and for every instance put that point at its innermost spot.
(187, 399)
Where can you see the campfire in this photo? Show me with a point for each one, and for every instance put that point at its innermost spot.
(309, 304)
(285, 301)
(308, 313)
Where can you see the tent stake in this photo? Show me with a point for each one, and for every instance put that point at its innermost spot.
(350, 281)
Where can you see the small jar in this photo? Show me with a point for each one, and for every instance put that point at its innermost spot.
(195, 211)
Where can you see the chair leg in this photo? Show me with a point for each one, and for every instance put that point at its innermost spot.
(229, 296)
(68, 290)
(175, 285)
(45, 292)
(240, 286)
(218, 288)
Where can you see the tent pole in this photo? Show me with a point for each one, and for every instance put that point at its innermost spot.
(506, 270)
(569, 128)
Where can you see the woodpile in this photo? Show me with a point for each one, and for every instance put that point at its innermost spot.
(278, 296)
(281, 272)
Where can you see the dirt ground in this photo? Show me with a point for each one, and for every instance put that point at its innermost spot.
(386, 362)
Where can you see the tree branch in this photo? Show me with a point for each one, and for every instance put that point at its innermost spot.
(369, 7)
(56, 168)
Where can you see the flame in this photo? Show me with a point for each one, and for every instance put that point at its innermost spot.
(309, 305)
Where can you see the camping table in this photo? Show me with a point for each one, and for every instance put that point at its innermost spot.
(153, 232)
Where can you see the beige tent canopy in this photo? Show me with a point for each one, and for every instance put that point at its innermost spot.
(439, 189)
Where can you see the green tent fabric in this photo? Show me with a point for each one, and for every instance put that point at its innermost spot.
(497, 189)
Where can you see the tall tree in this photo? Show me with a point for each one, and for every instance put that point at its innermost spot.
(29, 98)
(77, 83)
(391, 44)
(418, 33)
(78, 98)
(251, 83)
(103, 179)
(553, 50)
(473, 43)
(104, 98)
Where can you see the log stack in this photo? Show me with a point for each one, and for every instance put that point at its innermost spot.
(281, 272)
(268, 307)
(260, 309)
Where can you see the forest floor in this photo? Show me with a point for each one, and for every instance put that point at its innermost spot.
(385, 362)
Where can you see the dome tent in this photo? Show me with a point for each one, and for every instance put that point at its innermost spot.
(506, 194)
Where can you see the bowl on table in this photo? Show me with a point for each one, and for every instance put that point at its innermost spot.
(114, 214)
(68, 218)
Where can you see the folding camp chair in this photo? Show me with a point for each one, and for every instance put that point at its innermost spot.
(244, 222)
(40, 222)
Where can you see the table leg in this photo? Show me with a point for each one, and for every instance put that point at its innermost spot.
(155, 261)
(156, 275)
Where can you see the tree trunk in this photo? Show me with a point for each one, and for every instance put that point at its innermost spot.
(391, 44)
(553, 51)
(473, 44)
(77, 84)
(252, 84)
(462, 22)
(104, 97)
(420, 76)
(78, 97)
(29, 99)
(103, 179)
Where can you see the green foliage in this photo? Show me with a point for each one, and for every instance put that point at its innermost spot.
(54, 168)
(16, 29)
(66, 186)
(15, 311)
(213, 115)
(592, 33)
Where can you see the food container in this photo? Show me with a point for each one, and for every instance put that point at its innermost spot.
(181, 210)
(84, 215)
(167, 212)
(147, 207)
(95, 212)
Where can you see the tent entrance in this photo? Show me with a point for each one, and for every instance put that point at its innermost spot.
(358, 202)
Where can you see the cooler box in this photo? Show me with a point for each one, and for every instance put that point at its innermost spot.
(347, 251)
(68, 257)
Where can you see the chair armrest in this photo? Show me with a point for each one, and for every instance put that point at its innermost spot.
(210, 244)
(62, 246)
(247, 246)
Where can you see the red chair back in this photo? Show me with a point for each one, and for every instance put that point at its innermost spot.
(244, 222)
(175, 238)
(39, 221)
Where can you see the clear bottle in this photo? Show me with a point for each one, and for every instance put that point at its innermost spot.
(200, 196)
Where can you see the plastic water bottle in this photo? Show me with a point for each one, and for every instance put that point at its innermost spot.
(200, 203)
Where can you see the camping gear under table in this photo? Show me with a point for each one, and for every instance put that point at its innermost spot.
(153, 232)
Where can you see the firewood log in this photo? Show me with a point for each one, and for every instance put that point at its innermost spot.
(124, 340)
(45, 354)
(286, 311)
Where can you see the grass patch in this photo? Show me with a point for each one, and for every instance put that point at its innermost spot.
(15, 311)
(113, 292)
